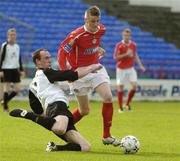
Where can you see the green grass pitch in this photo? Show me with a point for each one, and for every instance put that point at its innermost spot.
(155, 124)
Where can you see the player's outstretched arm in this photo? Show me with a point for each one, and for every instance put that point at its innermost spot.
(139, 63)
(69, 75)
(101, 52)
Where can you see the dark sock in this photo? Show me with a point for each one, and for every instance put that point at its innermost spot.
(11, 95)
(5, 97)
(69, 147)
(5, 107)
(46, 122)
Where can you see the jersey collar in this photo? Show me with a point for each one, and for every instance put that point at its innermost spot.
(85, 28)
(125, 43)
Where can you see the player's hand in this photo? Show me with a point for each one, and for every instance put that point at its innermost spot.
(142, 68)
(89, 69)
(95, 68)
(129, 53)
(101, 52)
(1, 74)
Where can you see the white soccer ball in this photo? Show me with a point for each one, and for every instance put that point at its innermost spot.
(130, 144)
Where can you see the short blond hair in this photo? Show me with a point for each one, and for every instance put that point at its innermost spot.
(92, 11)
(127, 30)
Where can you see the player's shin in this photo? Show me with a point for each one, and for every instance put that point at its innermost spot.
(120, 99)
(11, 95)
(107, 113)
(46, 122)
(130, 96)
(76, 115)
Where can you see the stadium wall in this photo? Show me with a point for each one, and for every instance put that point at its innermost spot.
(173, 4)
(151, 90)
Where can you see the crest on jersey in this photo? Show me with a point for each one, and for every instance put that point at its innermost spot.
(94, 41)
(71, 42)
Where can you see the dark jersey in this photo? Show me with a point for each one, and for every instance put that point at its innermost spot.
(45, 88)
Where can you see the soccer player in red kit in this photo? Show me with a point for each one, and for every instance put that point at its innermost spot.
(82, 48)
(125, 55)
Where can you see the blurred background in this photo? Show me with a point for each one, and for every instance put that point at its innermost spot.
(155, 25)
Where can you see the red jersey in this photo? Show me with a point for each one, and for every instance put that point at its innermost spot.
(122, 48)
(80, 48)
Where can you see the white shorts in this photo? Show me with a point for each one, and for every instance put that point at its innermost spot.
(83, 86)
(125, 76)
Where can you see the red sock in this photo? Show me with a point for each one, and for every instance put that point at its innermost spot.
(130, 96)
(76, 115)
(120, 99)
(107, 113)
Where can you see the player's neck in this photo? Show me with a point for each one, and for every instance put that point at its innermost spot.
(11, 42)
(89, 30)
(127, 42)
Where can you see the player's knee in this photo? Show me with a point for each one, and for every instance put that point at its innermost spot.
(120, 88)
(134, 87)
(86, 147)
(107, 98)
(60, 130)
(17, 89)
(85, 112)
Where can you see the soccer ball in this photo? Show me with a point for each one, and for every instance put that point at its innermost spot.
(130, 144)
